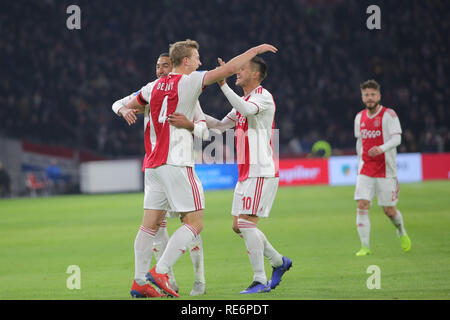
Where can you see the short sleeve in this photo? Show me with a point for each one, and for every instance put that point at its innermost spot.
(194, 82)
(145, 93)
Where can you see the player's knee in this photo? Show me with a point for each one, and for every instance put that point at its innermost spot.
(199, 227)
(390, 211)
(363, 204)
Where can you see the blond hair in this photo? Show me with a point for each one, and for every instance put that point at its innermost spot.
(370, 84)
(182, 49)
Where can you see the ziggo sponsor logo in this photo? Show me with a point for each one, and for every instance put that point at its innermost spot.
(370, 134)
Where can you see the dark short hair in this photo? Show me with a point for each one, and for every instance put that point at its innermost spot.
(370, 84)
(164, 54)
(261, 66)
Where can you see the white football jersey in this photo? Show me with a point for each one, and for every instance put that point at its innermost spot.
(253, 134)
(173, 93)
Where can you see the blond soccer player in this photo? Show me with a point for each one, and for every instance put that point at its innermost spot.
(170, 179)
(198, 127)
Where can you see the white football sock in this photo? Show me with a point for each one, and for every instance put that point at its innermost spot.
(363, 226)
(397, 221)
(275, 258)
(160, 244)
(176, 247)
(143, 247)
(255, 249)
(161, 239)
(196, 251)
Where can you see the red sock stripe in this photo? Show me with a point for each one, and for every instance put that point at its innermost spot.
(195, 193)
(257, 198)
(362, 212)
(148, 231)
(242, 223)
(194, 231)
(163, 224)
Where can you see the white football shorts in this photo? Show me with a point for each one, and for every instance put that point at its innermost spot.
(173, 188)
(254, 196)
(385, 189)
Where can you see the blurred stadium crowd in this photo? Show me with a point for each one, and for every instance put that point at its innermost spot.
(57, 85)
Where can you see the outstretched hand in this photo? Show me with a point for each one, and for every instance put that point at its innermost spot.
(221, 82)
(265, 48)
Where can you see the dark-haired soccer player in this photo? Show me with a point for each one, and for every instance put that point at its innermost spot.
(253, 117)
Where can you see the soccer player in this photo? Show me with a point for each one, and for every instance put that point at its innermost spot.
(198, 128)
(378, 133)
(253, 117)
(170, 179)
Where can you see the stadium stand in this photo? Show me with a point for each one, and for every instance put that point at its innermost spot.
(58, 84)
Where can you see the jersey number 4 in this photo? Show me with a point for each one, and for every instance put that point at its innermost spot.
(163, 113)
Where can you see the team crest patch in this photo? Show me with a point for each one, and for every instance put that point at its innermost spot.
(377, 122)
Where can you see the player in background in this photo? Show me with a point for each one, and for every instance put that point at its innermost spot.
(198, 128)
(253, 117)
(378, 133)
(171, 182)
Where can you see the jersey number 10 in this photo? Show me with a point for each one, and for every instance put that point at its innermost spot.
(246, 203)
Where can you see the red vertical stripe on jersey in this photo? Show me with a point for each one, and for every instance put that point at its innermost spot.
(242, 147)
(147, 144)
(371, 130)
(159, 154)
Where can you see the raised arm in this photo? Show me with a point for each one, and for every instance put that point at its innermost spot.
(235, 64)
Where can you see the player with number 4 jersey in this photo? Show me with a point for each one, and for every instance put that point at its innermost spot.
(170, 179)
(198, 128)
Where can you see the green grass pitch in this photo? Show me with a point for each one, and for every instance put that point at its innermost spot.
(313, 225)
